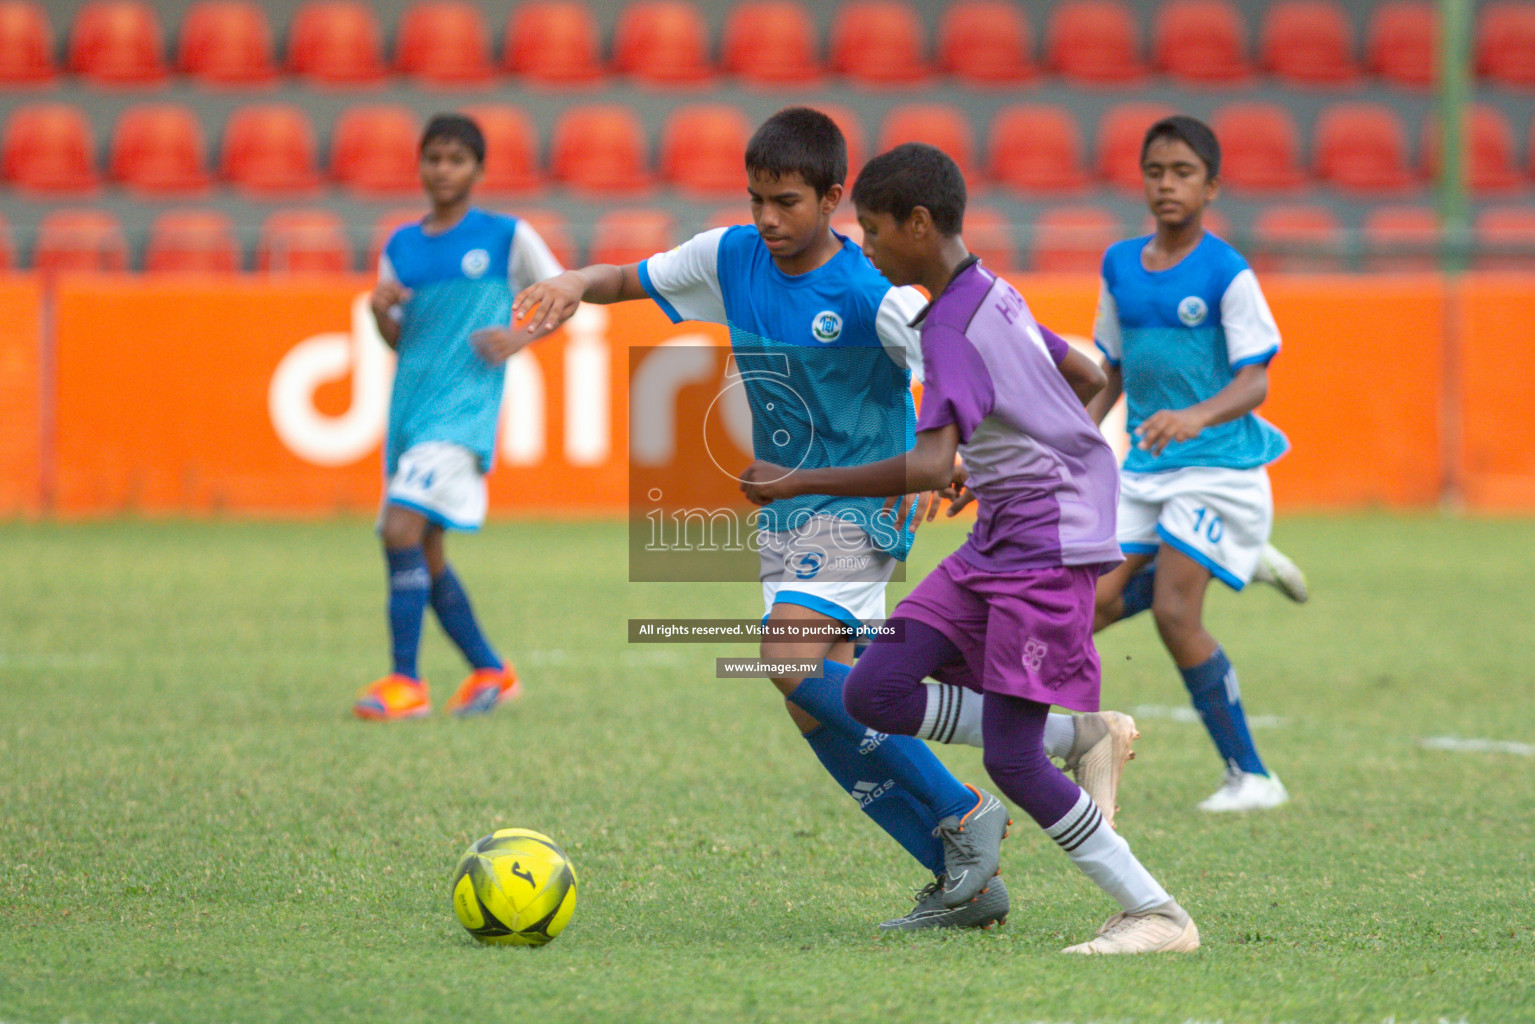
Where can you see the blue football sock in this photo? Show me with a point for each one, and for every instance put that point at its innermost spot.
(1218, 699)
(905, 759)
(408, 585)
(883, 800)
(1137, 592)
(451, 603)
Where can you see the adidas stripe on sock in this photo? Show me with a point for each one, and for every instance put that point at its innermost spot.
(1104, 856)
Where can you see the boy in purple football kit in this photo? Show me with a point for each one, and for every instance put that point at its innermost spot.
(1015, 602)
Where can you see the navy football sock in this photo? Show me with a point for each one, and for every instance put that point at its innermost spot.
(883, 800)
(1137, 592)
(408, 585)
(1218, 699)
(905, 759)
(451, 603)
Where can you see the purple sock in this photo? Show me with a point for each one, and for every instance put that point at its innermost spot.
(885, 690)
(1014, 732)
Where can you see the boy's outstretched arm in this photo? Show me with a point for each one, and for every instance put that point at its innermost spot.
(1084, 375)
(1113, 387)
(929, 466)
(1245, 393)
(545, 306)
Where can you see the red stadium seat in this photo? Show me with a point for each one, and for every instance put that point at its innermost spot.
(937, 124)
(1036, 149)
(1094, 41)
(7, 248)
(1260, 146)
(226, 42)
(628, 236)
(159, 148)
(551, 227)
(1308, 41)
(117, 42)
(1121, 130)
(1071, 239)
(269, 150)
(1401, 239)
(1363, 147)
(1505, 239)
(986, 42)
(554, 42)
(337, 42)
(703, 148)
(1200, 41)
(26, 44)
(989, 235)
(374, 150)
(600, 149)
(1505, 42)
(444, 42)
(1402, 45)
(192, 241)
(772, 42)
(511, 149)
(302, 241)
(47, 147)
(1490, 150)
(662, 41)
(880, 42)
(1297, 238)
(80, 241)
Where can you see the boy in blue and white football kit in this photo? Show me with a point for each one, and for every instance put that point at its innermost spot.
(794, 292)
(1187, 337)
(441, 281)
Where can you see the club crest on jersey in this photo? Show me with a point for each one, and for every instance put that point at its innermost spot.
(826, 326)
(1192, 311)
(475, 262)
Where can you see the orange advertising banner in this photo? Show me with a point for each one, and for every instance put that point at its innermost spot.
(254, 395)
(21, 375)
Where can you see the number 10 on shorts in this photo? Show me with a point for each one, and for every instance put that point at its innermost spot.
(1209, 524)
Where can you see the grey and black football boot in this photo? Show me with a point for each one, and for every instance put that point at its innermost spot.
(972, 848)
(983, 911)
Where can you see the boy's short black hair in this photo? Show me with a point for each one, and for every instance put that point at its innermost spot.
(1192, 132)
(911, 175)
(799, 140)
(457, 127)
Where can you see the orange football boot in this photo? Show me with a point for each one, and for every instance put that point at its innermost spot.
(392, 697)
(485, 690)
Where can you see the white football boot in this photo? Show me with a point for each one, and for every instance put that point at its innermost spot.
(1246, 791)
(1276, 569)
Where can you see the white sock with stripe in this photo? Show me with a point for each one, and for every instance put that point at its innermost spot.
(953, 715)
(1105, 857)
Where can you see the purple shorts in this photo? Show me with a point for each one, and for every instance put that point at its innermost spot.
(1022, 633)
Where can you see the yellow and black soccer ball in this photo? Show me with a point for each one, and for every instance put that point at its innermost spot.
(515, 887)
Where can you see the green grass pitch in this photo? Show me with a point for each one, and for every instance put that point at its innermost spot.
(193, 828)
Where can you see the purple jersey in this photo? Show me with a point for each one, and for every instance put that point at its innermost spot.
(1045, 480)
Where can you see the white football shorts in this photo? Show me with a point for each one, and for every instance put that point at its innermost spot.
(830, 566)
(443, 482)
(1220, 518)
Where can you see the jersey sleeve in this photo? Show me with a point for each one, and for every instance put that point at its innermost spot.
(892, 322)
(386, 273)
(1106, 325)
(685, 282)
(531, 261)
(1056, 345)
(958, 388)
(1252, 336)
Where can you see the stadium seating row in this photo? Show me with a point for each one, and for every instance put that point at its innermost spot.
(1062, 239)
(988, 42)
(271, 150)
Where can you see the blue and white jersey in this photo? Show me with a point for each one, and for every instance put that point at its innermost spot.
(460, 280)
(826, 359)
(1179, 336)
